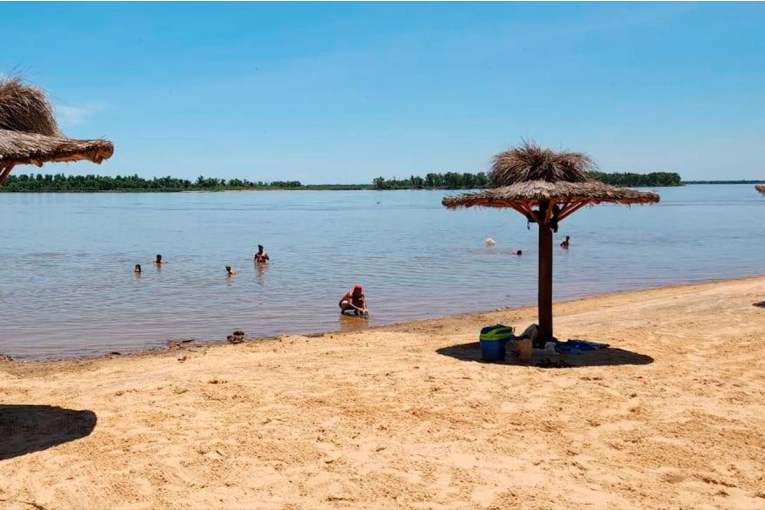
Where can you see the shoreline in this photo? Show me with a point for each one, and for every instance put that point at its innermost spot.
(407, 416)
(158, 351)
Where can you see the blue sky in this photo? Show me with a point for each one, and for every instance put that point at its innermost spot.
(344, 92)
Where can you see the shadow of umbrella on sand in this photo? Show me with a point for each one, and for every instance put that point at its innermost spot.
(546, 187)
(598, 358)
(32, 428)
(29, 133)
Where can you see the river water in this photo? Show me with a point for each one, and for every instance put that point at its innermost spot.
(67, 286)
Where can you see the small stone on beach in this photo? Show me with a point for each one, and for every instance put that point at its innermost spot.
(235, 339)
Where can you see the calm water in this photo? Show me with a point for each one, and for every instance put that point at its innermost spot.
(67, 286)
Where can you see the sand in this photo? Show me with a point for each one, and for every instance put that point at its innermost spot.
(404, 417)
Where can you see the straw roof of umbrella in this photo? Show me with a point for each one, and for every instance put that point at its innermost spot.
(760, 188)
(29, 133)
(525, 175)
(546, 187)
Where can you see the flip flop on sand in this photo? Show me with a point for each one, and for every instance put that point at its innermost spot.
(548, 363)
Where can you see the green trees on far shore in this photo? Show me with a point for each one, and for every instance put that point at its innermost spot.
(94, 183)
(632, 180)
(453, 180)
(449, 180)
(60, 183)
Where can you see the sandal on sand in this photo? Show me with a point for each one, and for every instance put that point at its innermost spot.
(547, 363)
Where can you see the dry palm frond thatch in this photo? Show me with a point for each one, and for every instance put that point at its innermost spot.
(29, 133)
(527, 174)
(31, 148)
(530, 193)
(530, 162)
(26, 108)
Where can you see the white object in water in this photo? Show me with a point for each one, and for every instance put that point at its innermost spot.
(490, 242)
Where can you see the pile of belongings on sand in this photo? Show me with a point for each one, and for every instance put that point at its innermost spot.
(532, 333)
(572, 346)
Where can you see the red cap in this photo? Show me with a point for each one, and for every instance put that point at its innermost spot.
(357, 286)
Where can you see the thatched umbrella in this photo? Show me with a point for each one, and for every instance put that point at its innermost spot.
(760, 188)
(29, 133)
(546, 187)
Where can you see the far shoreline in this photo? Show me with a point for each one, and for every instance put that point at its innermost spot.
(335, 187)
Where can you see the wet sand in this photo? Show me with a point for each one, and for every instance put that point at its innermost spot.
(672, 417)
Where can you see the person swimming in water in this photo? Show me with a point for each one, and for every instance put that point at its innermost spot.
(565, 243)
(354, 300)
(262, 256)
(137, 269)
(519, 253)
(158, 261)
(229, 271)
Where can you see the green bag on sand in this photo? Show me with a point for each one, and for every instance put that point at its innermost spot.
(497, 332)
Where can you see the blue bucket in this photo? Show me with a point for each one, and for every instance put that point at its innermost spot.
(493, 350)
(493, 340)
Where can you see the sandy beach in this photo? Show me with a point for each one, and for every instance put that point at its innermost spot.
(672, 417)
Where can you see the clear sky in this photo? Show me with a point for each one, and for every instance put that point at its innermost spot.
(343, 92)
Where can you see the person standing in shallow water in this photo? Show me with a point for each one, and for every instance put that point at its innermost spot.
(262, 256)
(565, 243)
(354, 300)
(158, 261)
(229, 271)
(137, 269)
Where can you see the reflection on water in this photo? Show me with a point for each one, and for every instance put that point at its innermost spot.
(65, 287)
(260, 273)
(351, 323)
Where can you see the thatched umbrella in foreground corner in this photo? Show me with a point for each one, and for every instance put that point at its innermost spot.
(29, 133)
(760, 188)
(546, 187)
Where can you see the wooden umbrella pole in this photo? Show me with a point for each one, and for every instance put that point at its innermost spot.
(545, 297)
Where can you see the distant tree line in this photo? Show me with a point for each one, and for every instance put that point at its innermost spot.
(94, 183)
(39, 183)
(632, 180)
(453, 180)
(449, 180)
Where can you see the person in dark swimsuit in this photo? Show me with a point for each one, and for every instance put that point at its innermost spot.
(262, 256)
(354, 300)
(565, 243)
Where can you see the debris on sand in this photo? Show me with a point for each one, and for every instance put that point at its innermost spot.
(177, 343)
(237, 337)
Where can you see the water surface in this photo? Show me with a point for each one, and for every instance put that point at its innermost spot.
(67, 286)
